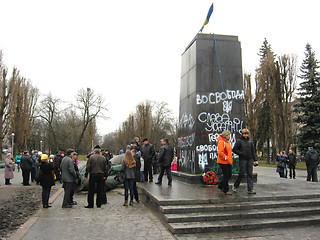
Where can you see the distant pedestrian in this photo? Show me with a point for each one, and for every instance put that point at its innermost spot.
(138, 166)
(8, 173)
(97, 167)
(247, 158)
(68, 176)
(292, 164)
(174, 165)
(282, 164)
(128, 167)
(312, 161)
(165, 159)
(147, 152)
(74, 157)
(135, 143)
(225, 161)
(26, 166)
(18, 161)
(46, 179)
(142, 169)
(57, 165)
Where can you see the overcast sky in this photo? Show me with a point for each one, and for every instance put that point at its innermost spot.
(130, 51)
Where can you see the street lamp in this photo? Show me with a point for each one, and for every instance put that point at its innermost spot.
(41, 145)
(12, 134)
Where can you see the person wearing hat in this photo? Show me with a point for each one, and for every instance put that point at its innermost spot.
(46, 179)
(225, 160)
(247, 158)
(147, 153)
(8, 172)
(26, 166)
(68, 176)
(97, 167)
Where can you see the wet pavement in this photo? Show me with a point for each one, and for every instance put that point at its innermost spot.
(113, 221)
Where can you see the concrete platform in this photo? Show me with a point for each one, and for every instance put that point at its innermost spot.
(192, 208)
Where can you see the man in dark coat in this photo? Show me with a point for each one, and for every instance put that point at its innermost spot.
(97, 167)
(247, 158)
(292, 159)
(312, 161)
(57, 163)
(165, 159)
(26, 166)
(68, 176)
(148, 153)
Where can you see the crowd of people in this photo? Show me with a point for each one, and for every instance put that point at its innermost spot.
(139, 164)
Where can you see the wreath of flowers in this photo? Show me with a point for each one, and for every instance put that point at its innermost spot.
(210, 178)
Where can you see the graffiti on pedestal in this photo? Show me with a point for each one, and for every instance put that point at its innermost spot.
(213, 123)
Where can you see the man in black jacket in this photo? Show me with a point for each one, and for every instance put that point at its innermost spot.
(148, 153)
(26, 166)
(292, 159)
(312, 161)
(165, 159)
(247, 158)
(97, 167)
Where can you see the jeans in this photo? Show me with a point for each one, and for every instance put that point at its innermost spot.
(312, 173)
(246, 166)
(169, 174)
(292, 168)
(45, 195)
(129, 184)
(148, 170)
(93, 180)
(26, 176)
(227, 173)
(68, 189)
(142, 176)
(33, 174)
(135, 191)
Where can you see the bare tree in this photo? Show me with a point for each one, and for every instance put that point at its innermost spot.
(91, 106)
(48, 112)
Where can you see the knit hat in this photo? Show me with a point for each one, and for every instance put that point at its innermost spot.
(145, 139)
(44, 157)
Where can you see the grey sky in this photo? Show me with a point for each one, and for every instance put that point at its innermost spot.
(130, 50)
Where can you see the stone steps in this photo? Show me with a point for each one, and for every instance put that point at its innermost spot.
(197, 208)
(247, 214)
(241, 213)
(236, 225)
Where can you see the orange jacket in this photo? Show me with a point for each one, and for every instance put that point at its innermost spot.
(224, 151)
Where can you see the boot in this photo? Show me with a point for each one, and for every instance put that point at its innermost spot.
(131, 203)
(125, 204)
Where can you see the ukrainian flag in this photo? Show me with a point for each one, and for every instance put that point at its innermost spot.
(208, 17)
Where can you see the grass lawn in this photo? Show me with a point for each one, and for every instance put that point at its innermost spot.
(300, 165)
(82, 158)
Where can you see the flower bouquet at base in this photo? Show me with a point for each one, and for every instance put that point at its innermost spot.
(210, 178)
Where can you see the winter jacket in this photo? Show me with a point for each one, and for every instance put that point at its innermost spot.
(292, 159)
(26, 162)
(245, 149)
(18, 158)
(57, 160)
(312, 157)
(148, 152)
(46, 176)
(97, 164)
(129, 173)
(166, 155)
(138, 166)
(8, 173)
(67, 170)
(224, 151)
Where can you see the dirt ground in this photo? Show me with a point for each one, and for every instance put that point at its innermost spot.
(17, 205)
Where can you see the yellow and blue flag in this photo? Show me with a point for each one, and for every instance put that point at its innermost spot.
(208, 17)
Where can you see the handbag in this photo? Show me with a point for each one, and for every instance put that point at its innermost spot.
(281, 165)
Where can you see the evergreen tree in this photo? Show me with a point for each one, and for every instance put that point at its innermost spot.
(308, 107)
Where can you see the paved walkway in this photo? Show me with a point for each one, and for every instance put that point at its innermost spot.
(112, 221)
